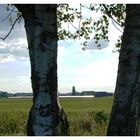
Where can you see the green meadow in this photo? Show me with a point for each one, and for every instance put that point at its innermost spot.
(87, 117)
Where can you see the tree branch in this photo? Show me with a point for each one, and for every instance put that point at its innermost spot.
(11, 27)
(73, 26)
(115, 21)
(115, 25)
(8, 15)
(111, 15)
(80, 17)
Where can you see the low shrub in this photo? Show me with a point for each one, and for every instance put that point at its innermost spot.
(101, 118)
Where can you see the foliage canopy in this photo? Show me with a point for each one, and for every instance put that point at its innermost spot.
(73, 25)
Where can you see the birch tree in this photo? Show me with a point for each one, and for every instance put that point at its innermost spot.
(46, 116)
(125, 115)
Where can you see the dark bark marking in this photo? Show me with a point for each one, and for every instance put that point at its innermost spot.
(45, 110)
(47, 38)
(35, 83)
(37, 23)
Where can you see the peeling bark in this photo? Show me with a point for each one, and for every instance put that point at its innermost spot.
(125, 115)
(46, 116)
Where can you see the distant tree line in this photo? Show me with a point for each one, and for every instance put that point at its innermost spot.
(3, 94)
(6, 94)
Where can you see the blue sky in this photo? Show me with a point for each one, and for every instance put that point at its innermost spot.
(91, 69)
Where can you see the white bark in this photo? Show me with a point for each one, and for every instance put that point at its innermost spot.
(46, 116)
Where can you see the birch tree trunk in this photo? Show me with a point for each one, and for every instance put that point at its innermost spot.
(46, 116)
(125, 115)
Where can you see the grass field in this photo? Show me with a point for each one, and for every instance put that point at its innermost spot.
(87, 117)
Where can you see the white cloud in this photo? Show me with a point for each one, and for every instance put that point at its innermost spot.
(20, 41)
(98, 74)
(18, 84)
(3, 45)
(24, 58)
(9, 51)
(6, 58)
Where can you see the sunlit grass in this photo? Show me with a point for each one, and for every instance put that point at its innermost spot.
(81, 115)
